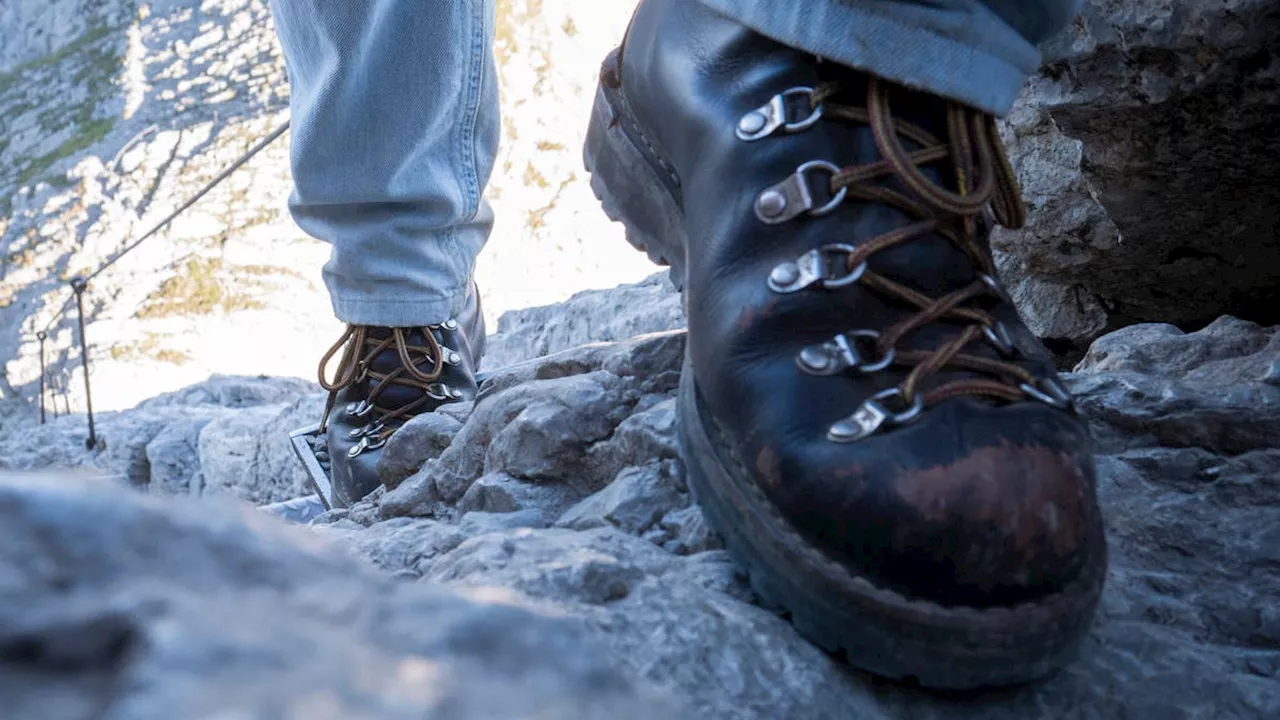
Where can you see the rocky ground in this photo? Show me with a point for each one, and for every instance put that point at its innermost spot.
(537, 553)
(543, 541)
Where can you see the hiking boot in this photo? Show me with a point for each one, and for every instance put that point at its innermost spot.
(883, 444)
(385, 377)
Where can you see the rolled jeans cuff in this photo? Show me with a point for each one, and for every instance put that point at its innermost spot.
(384, 294)
(969, 55)
(389, 312)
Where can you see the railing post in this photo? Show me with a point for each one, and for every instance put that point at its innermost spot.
(41, 337)
(78, 286)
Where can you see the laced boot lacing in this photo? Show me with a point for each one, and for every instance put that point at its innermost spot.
(360, 349)
(984, 179)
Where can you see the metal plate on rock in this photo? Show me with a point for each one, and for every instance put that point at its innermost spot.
(304, 442)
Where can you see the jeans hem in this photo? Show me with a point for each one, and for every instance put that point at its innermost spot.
(394, 312)
(906, 53)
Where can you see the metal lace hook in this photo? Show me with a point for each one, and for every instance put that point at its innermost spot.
(793, 196)
(873, 415)
(772, 116)
(828, 264)
(845, 352)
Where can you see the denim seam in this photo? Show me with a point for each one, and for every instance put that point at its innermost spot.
(474, 79)
(449, 296)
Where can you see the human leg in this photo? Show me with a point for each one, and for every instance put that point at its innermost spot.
(395, 129)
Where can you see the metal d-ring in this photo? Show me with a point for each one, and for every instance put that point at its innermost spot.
(793, 196)
(366, 444)
(1001, 339)
(842, 353)
(361, 409)
(772, 116)
(828, 264)
(874, 415)
(365, 430)
(1053, 393)
(994, 286)
(440, 391)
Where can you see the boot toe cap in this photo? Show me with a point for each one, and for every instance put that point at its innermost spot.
(971, 505)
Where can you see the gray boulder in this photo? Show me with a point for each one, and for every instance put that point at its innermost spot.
(650, 306)
(1148, 154)
(113, 605)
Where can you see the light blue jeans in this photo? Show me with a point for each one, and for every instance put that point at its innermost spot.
(395, 117)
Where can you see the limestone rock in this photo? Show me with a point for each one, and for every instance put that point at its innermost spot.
(1147, 151)
(230, 455)
(590, 316)
(233, 391)
(500, 493)
(570, 421)
(1154, 385)
(584, 439)
(1226, 352)
(173, 458)
(634, 502)
(113, 605)
(247, 453)
(421, 439)
(687, 531)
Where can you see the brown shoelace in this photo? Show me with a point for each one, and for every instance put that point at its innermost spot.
(360, 349)
(984, 178)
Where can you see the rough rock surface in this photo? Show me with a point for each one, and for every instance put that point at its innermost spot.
(228, 435)
(116, 606)
(1187, 426)
(1148, 149)
(589, 316)
(538, 549)
(560, 488)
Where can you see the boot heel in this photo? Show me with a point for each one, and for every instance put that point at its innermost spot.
(630, 182)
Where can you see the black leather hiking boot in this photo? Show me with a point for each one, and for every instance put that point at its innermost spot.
(386, 376)
(883, 444)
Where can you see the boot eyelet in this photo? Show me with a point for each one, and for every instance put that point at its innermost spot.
(845, 353)
(772, 116)
(794, 197)
(828, 264)
(995, 287)
(440, 391)
(873, 415)
(1053, 394)
(1000, 338)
